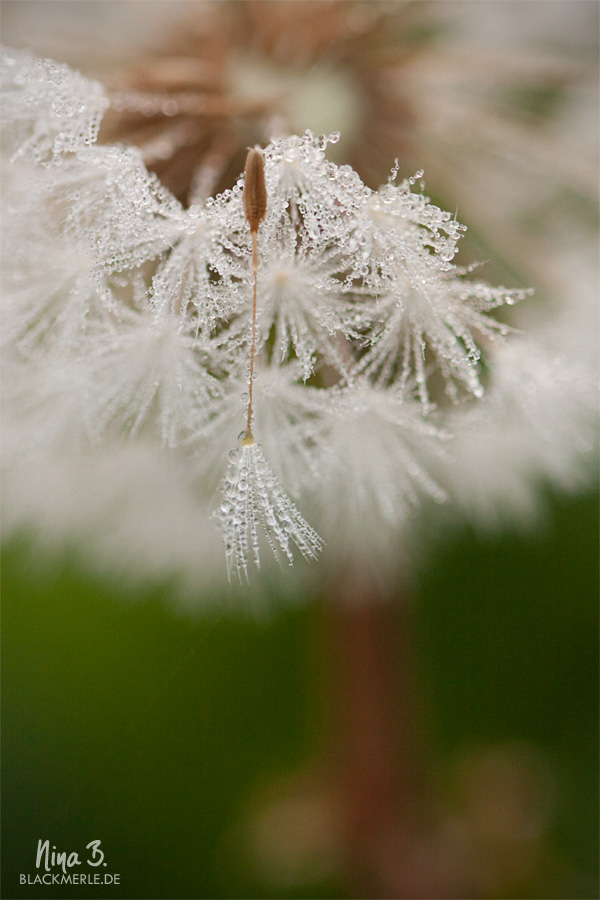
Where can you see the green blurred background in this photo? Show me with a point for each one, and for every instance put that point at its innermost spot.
(169, 737)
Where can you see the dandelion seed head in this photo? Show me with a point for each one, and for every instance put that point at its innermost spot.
(47, 108)
(329, 315)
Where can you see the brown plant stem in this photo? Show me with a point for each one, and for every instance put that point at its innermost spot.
(255, 201)
(253, 343)
(393, 846)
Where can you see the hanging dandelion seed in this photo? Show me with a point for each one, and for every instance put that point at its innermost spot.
(253, 499)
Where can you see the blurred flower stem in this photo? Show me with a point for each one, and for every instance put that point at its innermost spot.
(387, 814)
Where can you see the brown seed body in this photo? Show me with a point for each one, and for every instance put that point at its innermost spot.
(255, 191)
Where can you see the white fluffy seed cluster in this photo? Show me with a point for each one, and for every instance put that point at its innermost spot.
(127, 316)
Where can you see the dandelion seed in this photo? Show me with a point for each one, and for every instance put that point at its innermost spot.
(255, 192)
(253, 500)
(252, 493)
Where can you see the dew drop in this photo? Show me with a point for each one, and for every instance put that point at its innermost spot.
(387, 195)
